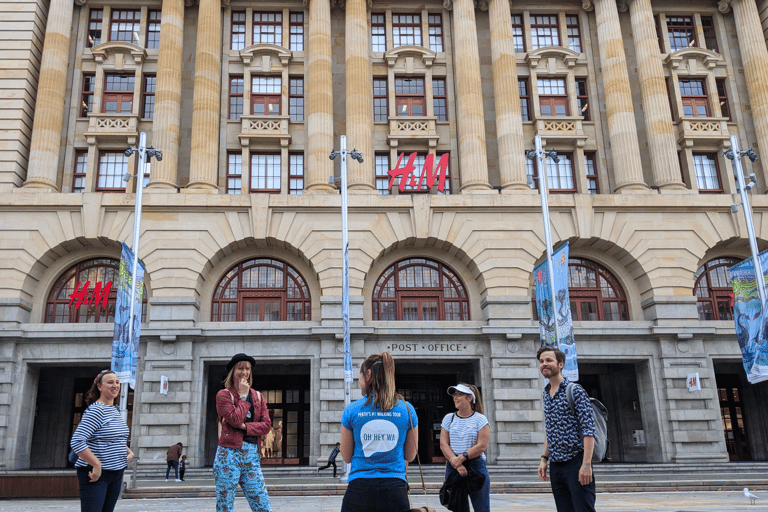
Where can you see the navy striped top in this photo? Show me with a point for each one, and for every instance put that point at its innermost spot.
(103, 430)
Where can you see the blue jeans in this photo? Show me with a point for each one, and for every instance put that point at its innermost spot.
(481, 499)
(172, 464)
(376, 495)
(101, 495)
(570, 495)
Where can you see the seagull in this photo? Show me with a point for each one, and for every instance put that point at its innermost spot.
(751, 496)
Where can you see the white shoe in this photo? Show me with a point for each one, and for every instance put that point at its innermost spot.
(178, 480)
(166, 479)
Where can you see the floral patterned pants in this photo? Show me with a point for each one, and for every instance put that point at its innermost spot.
(233, 466)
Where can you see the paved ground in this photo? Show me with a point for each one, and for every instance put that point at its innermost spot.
(726, 501)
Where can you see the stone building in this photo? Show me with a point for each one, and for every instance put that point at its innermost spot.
(241, 227)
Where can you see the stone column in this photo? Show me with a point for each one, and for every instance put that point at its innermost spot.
(359, 103)
(320, 98)
(658, 117)
(754, 58)
(509, 123)
(473, 160)
(625, 148)
(43, 168)
(204, 157)
(166, 125)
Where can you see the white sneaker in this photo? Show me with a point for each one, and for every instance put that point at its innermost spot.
(166, 479)
(178, 480)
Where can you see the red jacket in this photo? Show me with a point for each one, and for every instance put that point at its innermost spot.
(232, 415)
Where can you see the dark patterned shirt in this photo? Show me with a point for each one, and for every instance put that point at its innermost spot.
(566, 431)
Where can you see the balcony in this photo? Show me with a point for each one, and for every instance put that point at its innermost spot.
(702, 131)
(561, 130)
(112, 128)
(418, 129)
(264, 129)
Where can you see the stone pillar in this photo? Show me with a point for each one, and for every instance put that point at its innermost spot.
(320, 98)
(473, 160)
(754, 58)
(509, 123)
(662, 146)
(43, 168)
(625, 148)
(359, 103)
(206, 102)
(166, 125)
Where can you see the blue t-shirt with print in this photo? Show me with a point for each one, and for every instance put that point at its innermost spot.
(379, 438)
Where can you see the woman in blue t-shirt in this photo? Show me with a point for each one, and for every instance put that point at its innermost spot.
(378, 435)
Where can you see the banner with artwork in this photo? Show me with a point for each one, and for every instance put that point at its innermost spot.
(751, 325)
(125, 350)
(556, 314)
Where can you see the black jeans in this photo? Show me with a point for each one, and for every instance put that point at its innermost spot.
(330, 463)
(570, 495)
(101, 495)
(376, 495)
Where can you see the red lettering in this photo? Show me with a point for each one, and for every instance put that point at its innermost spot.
(80, 294)
(442, 170)
(101, 296)
(402, 172)
(428, 173)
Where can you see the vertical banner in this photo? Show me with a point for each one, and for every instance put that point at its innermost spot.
(751, 325)
(556, 314)
(348, 377)
(125, 352)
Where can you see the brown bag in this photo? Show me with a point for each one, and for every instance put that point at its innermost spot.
(427, 508)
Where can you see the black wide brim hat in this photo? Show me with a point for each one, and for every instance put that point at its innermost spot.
(238, 358)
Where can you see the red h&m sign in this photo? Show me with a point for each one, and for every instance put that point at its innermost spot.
(428, 172)
(99, 296)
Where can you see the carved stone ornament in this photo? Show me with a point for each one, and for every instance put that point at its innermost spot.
(623, 5)
(481, 4)
(724, 6)
(587, 5)
(81, 2)
(448, 5)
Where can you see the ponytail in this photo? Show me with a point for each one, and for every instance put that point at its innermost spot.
(477, 406)
(381, 386)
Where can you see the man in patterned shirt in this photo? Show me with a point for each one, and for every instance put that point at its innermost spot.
(570, 438)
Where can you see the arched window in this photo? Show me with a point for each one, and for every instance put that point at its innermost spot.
(713, 289)
(86, 283)
(261, 290)
(419, 289)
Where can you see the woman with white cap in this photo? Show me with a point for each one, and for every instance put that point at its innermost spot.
(464, 436)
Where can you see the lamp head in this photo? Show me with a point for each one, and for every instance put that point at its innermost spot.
(531, 155)
(752, 155)
(734, 208)
(129, 152)
(127, 176)
(333, 154)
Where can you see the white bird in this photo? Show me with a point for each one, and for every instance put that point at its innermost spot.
(751, 496)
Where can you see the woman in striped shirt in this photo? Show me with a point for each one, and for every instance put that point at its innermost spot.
(101, 444)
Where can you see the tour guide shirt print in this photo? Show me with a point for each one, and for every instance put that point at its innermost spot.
(751, 325)
(125, 352)
(562, 310)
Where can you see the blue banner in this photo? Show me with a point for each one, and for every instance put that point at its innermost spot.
(556, 314)
(348, 376)
(125, 350)
(751, 325)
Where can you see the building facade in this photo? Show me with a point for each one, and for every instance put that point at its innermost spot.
(241, 226)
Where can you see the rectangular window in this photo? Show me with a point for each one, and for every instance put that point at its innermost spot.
(296, 99)
(574, 34)
(382, 173)
(148, 97)
(236, 85)
(147, 171)
(440, 99)
(553, 98)
(86, 95)
(265, 173)
(418, 171)
(525, 98)
(406, 30)
(112, 166)
(296, 174)
(436, 32)
(268, 28)
(693, 94)
(234, 173)
(710, 36)
(681, 32)
(126, 25)
(380, 108)
(153, 30)
(590, 169)
(118, 94)
(707, 173)
(78, 175)
(418, 168)
(544, 31)
(447, 189)
(518, 38)
(409, 96)
(722, 95)
(95, 20)
(265, 95)
(560, 175)
(238, 30)
(297, 32)
(378, 33)
(582, 98)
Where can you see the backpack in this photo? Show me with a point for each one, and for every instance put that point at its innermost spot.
(600, 414)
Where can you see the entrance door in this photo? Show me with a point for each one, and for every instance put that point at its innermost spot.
(732, 415)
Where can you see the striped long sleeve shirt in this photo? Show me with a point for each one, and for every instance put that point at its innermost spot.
(103, 430)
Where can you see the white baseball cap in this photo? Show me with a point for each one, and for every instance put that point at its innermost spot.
(461, 388)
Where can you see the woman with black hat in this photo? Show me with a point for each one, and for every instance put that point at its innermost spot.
(243, 418)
